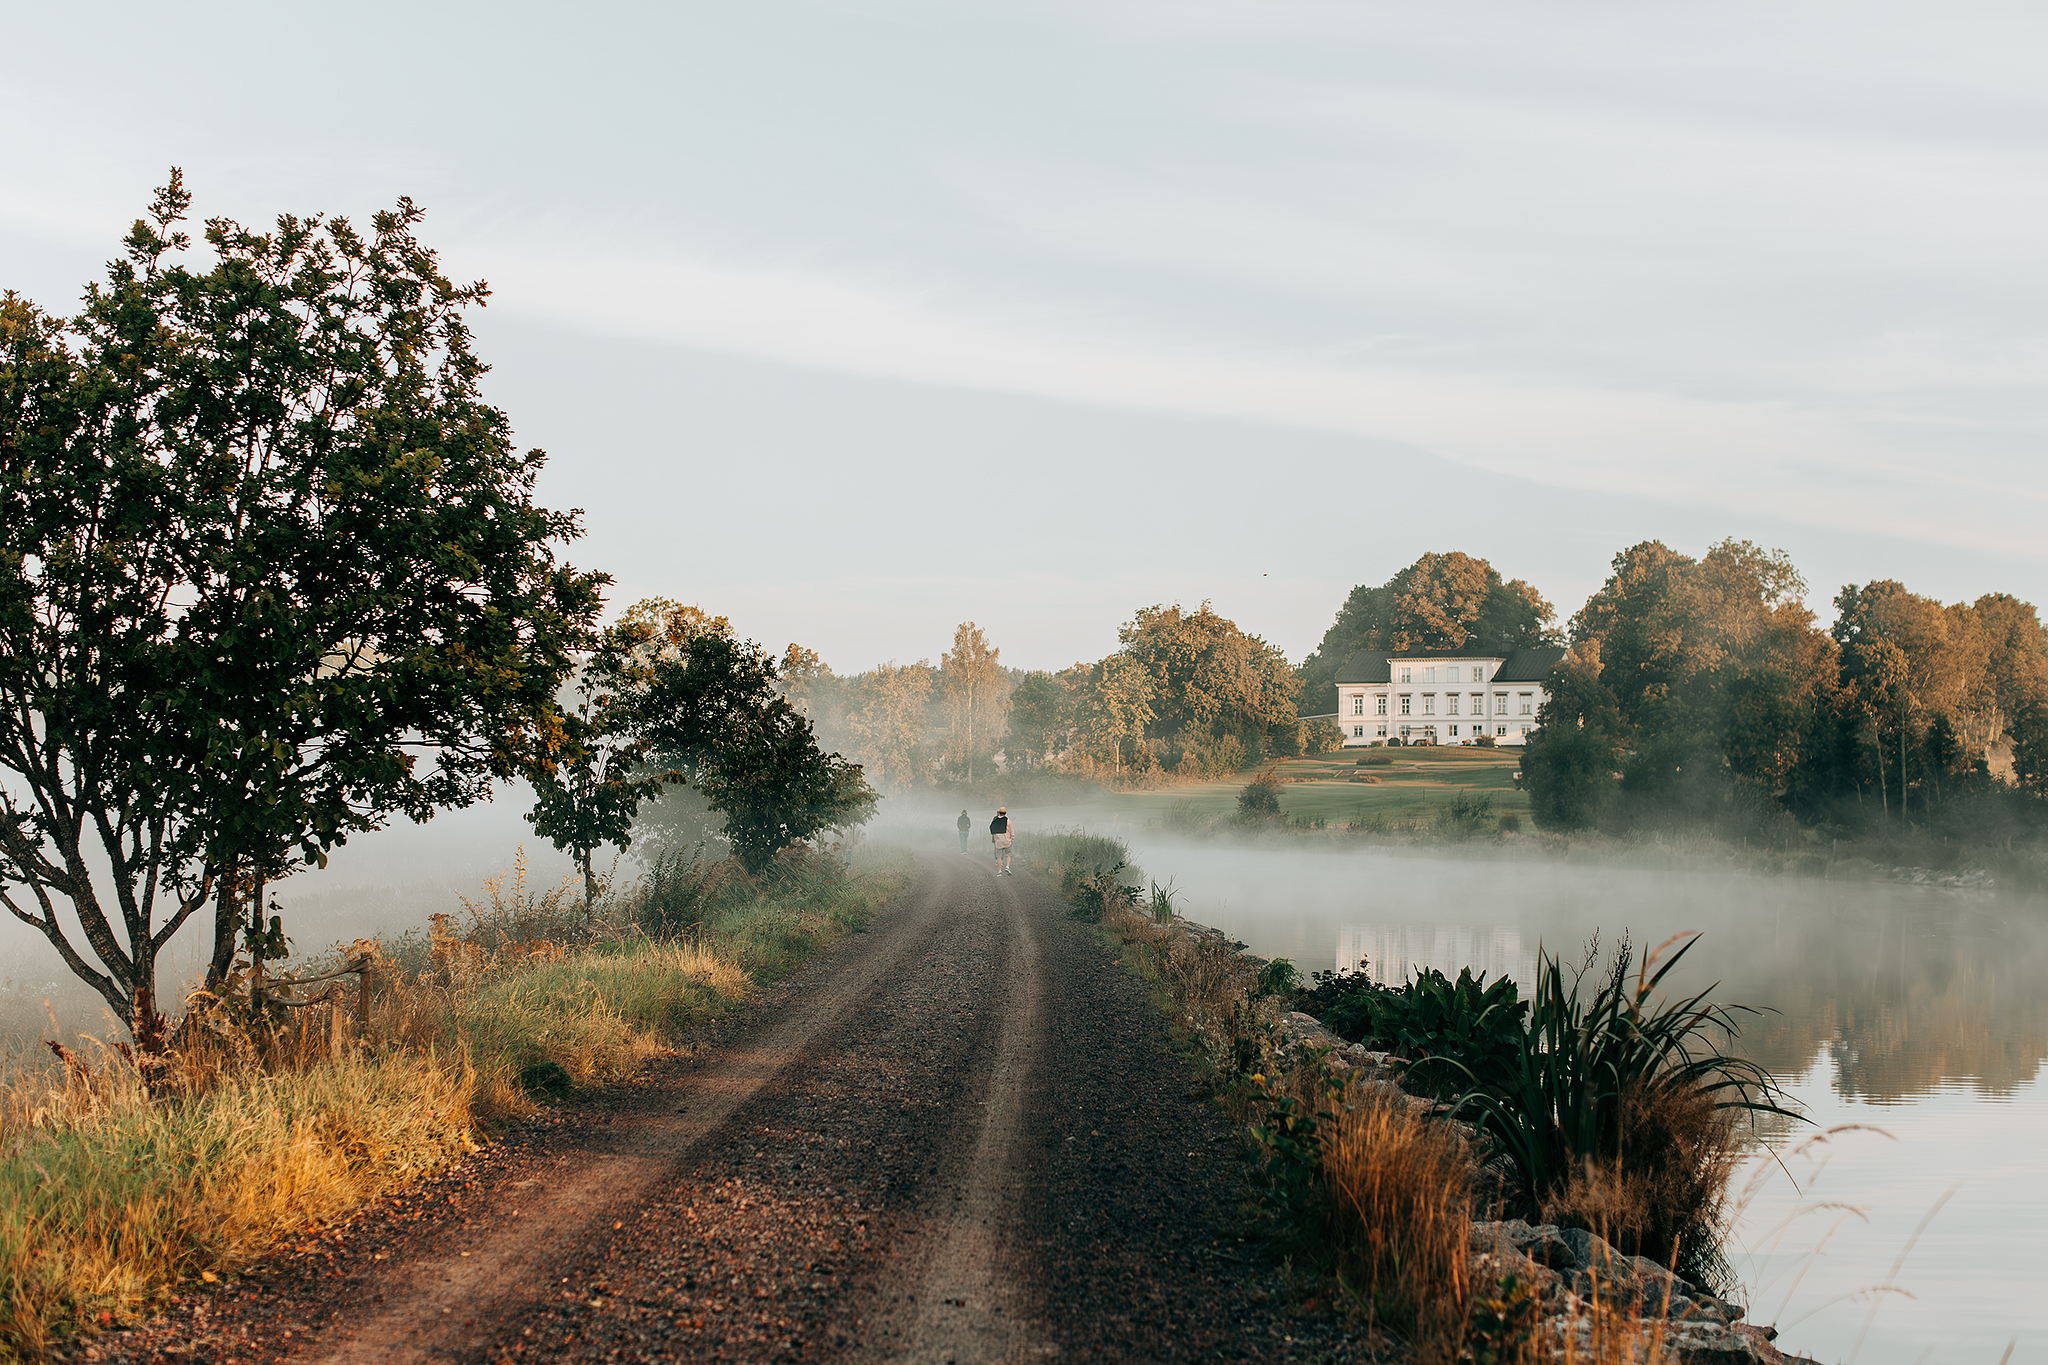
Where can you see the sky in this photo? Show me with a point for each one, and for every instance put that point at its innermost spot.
(856, 320)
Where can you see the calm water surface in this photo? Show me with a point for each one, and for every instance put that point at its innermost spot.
(1920, 1012)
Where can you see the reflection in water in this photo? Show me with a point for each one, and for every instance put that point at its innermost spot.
(1392, 953)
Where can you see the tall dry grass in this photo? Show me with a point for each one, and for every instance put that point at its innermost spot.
(1398, 1192)
(119, 1180)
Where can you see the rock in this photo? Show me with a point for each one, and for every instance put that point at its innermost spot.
(1709, 1344)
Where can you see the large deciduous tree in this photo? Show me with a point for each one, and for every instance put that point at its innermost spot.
(271, 572)
(1441, 601)
(976, 695)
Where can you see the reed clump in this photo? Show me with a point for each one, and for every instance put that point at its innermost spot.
(123, 1176)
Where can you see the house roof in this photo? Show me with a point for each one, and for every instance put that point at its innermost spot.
(1529, 665)
(1523, 665)
(1366, 666)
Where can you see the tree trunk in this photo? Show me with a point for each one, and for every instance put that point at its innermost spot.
(583, 860)
(227, 929)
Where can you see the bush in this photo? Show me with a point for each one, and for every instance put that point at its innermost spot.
(1260, 799)
(1457, 1035)
(1611, 1103)
(1468, 814)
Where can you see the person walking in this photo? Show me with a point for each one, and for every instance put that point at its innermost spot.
(999, 830)
(964, 825)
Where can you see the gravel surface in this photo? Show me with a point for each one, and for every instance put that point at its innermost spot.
(960, 1136)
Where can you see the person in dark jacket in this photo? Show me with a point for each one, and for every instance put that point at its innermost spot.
(964, 824)
(999, 830)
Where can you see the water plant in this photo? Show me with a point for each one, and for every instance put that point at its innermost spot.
(1617, 1112)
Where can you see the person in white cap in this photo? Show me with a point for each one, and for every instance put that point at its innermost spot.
(999, 830)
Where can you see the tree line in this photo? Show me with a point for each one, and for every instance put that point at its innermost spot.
(1702, 691)
(1187, 694)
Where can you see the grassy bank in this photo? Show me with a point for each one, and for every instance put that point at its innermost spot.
(117, 1184)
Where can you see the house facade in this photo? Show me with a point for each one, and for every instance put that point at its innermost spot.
(1441, 696)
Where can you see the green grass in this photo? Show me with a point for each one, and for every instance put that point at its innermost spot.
(1413, 787)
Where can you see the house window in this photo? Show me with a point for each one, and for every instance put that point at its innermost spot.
(1528, 705)
(1500, 729)
(1358, 732)
(1429, 703)
(1429, 675)
(1500, 703)
(1405, 677)
(1454, 732)
(1358, 704)
(1479, 673)
(1454, 705)
(1382, 700)
(1404, 703)
(1525, 729)
(1478, 703)
(1453, 675)
(1383, 732)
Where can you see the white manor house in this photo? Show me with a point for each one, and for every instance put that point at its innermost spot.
(1440, 696)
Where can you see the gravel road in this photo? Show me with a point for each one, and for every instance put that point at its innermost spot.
(957, 1137)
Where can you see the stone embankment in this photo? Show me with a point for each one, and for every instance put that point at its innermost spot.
(1572, 1274)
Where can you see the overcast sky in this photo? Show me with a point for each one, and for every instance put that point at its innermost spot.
(857, 320)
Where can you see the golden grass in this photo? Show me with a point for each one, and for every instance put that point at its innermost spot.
(1400, 1214)
(117, 1184)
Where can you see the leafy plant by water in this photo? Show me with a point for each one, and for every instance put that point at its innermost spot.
(1624, 1102)
(1456, 1034)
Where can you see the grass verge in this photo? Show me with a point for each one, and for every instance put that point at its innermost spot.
(119, 1183)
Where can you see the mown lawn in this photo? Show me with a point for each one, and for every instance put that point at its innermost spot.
(1414, 784)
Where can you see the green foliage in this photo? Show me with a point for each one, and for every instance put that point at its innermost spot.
(1455, 1034)
(709, 710)
(1504, 1323)
(1570, 760)
(1162, 903)
(1278, 977)
(1321, 737)
(271, 572)
(1093, 871)
(1468, 813)
(1260, 798)
(1581, 1061)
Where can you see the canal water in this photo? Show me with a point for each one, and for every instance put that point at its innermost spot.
(1909, 1220)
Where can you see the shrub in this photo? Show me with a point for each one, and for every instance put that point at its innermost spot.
(1260, 799)
(1468, 814)
(1510, 822)
(1343, 1002)
(1457, 1035)
(1616, 1091)
(1278, 977)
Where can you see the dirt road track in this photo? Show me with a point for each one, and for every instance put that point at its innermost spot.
(958, 1137)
